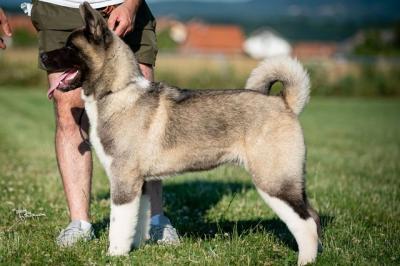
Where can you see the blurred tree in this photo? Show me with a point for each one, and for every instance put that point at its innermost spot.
(380, 42)
(23, 38)
(165, 42)
(397, 35)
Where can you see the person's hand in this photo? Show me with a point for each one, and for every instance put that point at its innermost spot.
(5, 27)
(121, 18)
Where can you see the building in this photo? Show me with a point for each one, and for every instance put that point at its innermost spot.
(266, 43)
(305, 50)
(212, 39)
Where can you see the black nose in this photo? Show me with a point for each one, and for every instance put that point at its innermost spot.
(44, 57)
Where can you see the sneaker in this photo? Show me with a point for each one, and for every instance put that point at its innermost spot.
(74, 233)
(163, 232)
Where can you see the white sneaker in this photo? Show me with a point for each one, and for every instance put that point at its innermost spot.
(163, 232)
(74, 233)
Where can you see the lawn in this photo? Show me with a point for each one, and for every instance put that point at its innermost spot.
(353, 180)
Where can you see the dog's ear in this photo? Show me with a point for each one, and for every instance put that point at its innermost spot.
(95, 24)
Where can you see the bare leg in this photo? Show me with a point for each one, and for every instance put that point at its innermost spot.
(153, 188)
(73, 155)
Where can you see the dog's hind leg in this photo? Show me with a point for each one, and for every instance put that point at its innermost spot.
(279, 180)
(300, 223)
(125, 214)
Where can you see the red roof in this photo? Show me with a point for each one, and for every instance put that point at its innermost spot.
(314, 49)
(202, 38)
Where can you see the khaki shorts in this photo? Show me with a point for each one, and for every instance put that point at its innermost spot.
(54, 24)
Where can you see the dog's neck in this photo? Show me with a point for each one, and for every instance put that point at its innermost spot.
(123, 59)
(119, 70)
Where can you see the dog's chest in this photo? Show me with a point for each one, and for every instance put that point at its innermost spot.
(92, 113)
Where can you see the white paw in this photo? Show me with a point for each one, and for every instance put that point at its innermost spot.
(305, 260)
(115, 251)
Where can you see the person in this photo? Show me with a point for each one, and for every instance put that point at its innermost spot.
(5, 26)
(133, 21)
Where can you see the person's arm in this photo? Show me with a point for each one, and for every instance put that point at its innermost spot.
(121, 18)
(5, 27)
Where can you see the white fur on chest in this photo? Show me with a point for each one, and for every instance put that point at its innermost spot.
(92, 113)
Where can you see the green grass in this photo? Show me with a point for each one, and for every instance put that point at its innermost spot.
(353, 180)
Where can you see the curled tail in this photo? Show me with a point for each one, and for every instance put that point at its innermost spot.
(295, 80)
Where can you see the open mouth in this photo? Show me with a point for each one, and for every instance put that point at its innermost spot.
(67, 81)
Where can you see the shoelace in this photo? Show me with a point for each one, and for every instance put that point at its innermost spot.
(69, 231)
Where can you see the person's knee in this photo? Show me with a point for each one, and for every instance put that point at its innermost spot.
(67, 125)
(69, 113)
(71, 98)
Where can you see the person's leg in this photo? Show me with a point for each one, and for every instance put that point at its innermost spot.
(154, 190)
(73, 154)
(74, 159)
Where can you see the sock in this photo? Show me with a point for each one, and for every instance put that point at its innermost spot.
(159, 219)
(85, 225)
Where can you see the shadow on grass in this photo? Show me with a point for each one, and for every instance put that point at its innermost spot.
(186, 204)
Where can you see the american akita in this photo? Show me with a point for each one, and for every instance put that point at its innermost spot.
(142, 130)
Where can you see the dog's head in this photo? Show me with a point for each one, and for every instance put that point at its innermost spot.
(85, 52)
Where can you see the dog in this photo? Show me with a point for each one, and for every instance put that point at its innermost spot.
(142, 130)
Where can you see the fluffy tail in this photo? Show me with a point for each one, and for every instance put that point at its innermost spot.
(295, 80)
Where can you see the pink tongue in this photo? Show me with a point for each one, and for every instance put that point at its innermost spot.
(65, 76)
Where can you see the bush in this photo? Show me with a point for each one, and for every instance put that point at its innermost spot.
(164, 42)
(20, 74)
(203, 79)
(371, 81)
(23, 38)
(375, 42)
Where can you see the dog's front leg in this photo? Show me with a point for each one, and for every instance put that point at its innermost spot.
(125, 203)
(143, 225)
